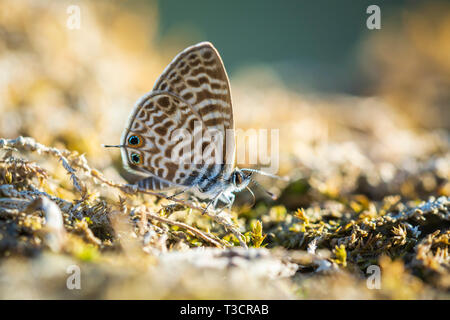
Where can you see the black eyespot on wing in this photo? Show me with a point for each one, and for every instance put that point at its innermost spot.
(135, 158)
(133, 140)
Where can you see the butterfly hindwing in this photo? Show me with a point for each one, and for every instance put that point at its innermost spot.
(167, 127)
(154, 183)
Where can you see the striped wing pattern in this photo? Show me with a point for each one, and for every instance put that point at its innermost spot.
(193, 90)
(198, 76)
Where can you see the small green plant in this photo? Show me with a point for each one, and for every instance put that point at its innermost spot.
(341, 255)
(257, 235)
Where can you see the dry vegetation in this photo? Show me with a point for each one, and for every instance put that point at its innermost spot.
(369, 176)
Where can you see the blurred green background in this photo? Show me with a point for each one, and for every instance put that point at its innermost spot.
(312, 45)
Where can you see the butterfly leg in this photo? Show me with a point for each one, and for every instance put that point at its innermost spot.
(229, 200)
(232, 197)
(178, 193)
(214, 200)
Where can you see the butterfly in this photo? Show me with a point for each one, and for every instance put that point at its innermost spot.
(191, 98)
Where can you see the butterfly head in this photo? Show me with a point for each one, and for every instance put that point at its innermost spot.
(240, 179)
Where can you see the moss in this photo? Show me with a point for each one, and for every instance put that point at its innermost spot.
(369, 179)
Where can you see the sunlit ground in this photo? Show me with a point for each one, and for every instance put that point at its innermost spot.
(369, 175)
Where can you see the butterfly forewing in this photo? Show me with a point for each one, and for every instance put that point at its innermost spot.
(198, 76)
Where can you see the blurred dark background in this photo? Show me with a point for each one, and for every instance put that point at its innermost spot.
(312, 45)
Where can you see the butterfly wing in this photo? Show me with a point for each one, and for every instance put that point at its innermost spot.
(164, 128)
(197, 75)
(192, 91)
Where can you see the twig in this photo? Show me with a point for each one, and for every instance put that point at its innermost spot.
(10, 191)
(195, 231)
(29, 144)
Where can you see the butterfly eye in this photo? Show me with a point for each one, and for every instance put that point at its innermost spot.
(237, 179)
(135, 158)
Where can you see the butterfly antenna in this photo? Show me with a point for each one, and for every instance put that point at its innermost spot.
(111, 146)
(266, 174)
